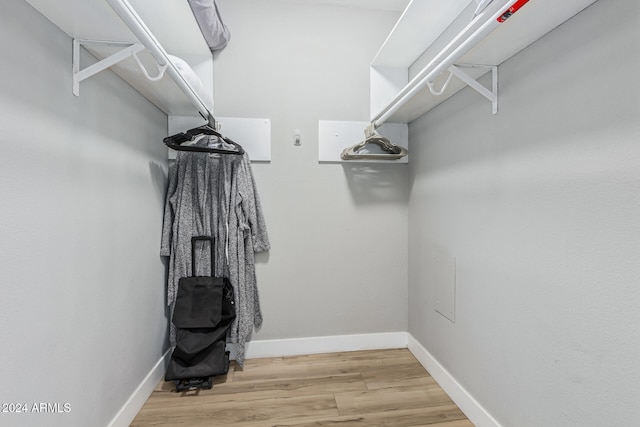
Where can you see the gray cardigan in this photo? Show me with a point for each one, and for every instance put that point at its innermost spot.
(215, 195)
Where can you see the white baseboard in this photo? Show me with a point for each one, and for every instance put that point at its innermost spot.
(476, 413)
(130, 409)
(330, 344)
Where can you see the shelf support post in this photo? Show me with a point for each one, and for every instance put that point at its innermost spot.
(491, 95)
(83, 74)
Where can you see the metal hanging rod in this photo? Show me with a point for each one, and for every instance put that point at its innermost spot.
(471, 35)
(130, 17)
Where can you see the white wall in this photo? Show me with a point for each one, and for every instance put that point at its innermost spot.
(82, 188)
(338, 263)
(540, 206)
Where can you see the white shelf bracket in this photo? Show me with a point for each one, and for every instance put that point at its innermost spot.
(491, 95)
(80, 75)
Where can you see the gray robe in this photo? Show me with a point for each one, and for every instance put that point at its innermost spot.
(215, 195)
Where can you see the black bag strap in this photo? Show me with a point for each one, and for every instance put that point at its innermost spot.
(193, 252)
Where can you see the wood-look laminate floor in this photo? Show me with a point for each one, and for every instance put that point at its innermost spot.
(362, 388)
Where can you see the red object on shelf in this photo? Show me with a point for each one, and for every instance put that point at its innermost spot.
(513, 9)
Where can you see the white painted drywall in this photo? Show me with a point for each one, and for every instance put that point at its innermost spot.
(82, 183)
(338, 263)
(540, 206)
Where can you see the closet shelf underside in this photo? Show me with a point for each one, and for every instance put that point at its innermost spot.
(172, 24)
(397, 64)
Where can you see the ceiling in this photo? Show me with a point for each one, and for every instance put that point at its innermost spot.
(392, 5)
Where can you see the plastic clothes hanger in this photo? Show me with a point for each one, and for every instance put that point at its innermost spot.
(393, 151)
(175, 141)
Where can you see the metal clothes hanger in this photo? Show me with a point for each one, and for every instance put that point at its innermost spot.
(393, 151)
(212, 128)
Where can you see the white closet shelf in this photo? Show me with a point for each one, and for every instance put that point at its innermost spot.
(427, 26)
(171, 24)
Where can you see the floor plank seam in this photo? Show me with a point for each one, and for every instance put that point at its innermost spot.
(382, 388)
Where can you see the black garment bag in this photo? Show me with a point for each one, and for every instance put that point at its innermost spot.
(203, 313)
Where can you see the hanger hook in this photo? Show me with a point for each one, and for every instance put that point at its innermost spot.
(370, 131)
(213, 123)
